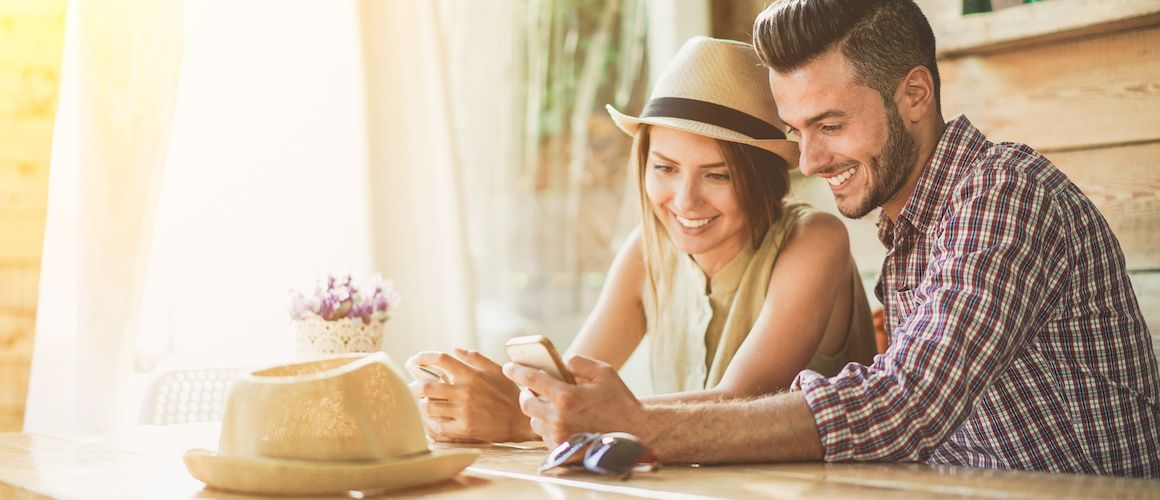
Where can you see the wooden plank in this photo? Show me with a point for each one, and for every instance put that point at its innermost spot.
(27, 139)
(12, 420)
(36, 8)
(886, 480)
(31, 44)
(24, 185)
(734, 19)
(24, 162)
(28, 92)
(19, 287)
(17, 327)
(17, 330)
(1028, 24)
(23, 234)
(957, 34)
(1147, 288)
(1124, 183)
(14, 382)
(1064, 96)
(31, 41)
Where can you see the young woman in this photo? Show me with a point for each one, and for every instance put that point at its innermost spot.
(737, 289)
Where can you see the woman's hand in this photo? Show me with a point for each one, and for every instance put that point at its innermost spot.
(477, 404)
(599, 402)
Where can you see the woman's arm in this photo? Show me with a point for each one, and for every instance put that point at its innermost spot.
(616, 325)
(807, 285)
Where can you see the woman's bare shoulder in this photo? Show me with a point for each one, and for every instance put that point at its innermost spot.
(815, 227)
(628, 265)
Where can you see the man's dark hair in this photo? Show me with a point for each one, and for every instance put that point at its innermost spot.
(882, 39)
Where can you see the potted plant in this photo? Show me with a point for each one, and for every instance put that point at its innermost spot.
(341, 315)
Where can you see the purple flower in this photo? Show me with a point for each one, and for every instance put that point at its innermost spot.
(337, 297)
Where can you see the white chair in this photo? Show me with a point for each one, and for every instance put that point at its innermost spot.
(188, 395)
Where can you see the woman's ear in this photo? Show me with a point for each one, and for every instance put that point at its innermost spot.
(915, 95)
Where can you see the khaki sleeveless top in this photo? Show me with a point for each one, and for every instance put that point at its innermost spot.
(696, 334)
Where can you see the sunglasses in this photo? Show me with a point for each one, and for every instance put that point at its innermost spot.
(613, 453)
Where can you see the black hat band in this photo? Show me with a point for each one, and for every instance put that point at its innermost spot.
(713, 114)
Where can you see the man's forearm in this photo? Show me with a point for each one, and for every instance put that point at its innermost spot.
(690, 397)
(777, 428)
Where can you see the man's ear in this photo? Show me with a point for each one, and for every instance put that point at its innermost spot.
(915, 94)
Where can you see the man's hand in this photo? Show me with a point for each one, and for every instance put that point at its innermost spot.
(599, 402)
(477, 404)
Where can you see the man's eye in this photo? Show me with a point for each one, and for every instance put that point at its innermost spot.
(829, 129)
(791, 131)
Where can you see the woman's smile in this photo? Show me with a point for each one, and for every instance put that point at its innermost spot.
(694, 226)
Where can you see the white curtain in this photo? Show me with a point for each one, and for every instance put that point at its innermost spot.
(415, 184)
(294, 139)
(118, 82)
(266, 186)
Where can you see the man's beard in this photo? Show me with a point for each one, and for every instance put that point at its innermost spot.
(889, 166)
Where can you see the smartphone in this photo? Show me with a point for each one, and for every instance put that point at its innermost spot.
(538, 352)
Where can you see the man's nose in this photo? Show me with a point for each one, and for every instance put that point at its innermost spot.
(813, 155)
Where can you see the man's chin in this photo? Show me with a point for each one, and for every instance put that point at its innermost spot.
(852, 209)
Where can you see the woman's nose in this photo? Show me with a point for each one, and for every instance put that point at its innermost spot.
(688, 195)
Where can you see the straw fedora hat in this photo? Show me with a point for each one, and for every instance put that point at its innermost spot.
(335, 424)
(719, 89)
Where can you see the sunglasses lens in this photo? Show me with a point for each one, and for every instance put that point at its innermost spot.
(617, 453)
(569, 452)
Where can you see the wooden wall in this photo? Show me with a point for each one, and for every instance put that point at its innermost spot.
(1079, 80)
(31, 38)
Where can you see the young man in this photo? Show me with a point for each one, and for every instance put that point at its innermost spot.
(1016, 339)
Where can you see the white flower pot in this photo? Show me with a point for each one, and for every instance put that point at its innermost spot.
(318, 337)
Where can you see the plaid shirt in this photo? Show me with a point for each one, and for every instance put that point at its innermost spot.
(1016, 339)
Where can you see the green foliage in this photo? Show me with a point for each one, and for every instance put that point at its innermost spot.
(560, 36)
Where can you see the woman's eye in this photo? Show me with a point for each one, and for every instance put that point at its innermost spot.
(717, 176)
(663, 168)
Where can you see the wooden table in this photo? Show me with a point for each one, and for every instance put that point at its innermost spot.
(145, 462)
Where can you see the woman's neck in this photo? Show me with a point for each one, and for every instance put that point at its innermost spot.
(715, 260)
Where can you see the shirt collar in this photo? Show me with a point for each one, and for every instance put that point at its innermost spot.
(885, 229)
(954, 154)
(725, 280)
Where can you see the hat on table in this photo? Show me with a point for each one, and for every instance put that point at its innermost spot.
(336, 424)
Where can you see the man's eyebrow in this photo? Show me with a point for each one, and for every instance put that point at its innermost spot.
(675, 162)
